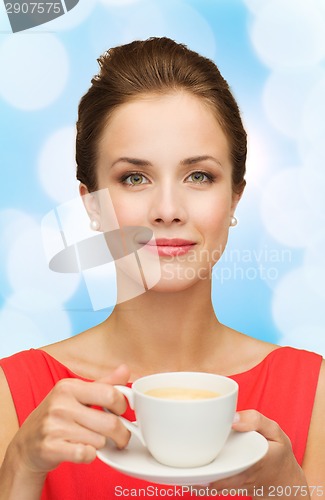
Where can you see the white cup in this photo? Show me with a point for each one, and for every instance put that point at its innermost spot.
(182, 433)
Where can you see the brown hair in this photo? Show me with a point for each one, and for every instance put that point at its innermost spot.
(156, 65)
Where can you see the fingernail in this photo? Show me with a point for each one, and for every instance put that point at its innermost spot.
(236, 418)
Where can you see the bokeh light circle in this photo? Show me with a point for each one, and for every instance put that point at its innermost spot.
(118, 3)
(285, 212)
(57, 166)
(34, 70)
(295, 303)
(145, 19)
(313, 118)
(28, 268)
(284, 97)
(18, 332)
(289, 34)
(305, 336)
(255, 5)
(31, 318)
(314, 264)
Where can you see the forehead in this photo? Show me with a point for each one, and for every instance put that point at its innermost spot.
(177, 122)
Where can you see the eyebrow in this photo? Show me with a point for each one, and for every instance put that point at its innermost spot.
(197, 159)
(133, 161)
(187, 161)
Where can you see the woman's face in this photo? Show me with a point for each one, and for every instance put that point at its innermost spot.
(166, 163)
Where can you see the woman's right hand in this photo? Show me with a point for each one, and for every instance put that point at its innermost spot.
(64, 427)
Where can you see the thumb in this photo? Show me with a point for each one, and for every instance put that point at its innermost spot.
(119, 376)
(252, 420)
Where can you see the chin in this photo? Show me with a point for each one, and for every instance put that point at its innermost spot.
(163, 287)
(177, 284)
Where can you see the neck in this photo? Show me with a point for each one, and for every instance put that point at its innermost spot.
(165, 331)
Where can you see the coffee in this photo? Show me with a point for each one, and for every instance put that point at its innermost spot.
(181, 393)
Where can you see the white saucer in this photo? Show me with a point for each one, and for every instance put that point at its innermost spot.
(241, 451)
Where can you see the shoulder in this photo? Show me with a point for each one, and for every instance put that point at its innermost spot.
(314, 460)
(297, 358)
(23, 365)
(83, 354)
(30, 376)
(8, 417)
(252, 357)
(319, 407)
(261, 352)
(294, 366)
(242, 352)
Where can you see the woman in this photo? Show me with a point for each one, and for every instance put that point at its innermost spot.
(161, 132)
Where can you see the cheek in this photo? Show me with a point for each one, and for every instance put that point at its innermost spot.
(214, 228)
(214, 217)
(216, 236)
(127, 214)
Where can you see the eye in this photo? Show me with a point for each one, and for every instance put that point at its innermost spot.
(135, 179)
(200, 177)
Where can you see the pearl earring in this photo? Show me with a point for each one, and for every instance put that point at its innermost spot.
(94, 225)
(233, 221)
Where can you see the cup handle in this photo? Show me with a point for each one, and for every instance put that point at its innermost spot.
(131, 426)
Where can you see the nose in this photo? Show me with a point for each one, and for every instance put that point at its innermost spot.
(167, 206)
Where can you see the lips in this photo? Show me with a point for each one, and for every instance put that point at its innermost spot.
(170, 246)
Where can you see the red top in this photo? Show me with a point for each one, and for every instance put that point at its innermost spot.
(282, 387)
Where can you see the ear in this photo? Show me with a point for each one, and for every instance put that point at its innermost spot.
(90, 202)
(235, 200)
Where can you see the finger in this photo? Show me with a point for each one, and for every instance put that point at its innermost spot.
(78, 452)
(79, 434)
(252, 420)
(57, 451)
(239, 481)
(116, 431)
(120, 376)
(105, 425)
(88, 393)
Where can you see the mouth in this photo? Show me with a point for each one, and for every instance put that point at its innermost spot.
(170, 246)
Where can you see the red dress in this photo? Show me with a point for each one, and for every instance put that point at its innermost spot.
(282, 387)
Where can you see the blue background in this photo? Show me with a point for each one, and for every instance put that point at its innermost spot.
(270, 282)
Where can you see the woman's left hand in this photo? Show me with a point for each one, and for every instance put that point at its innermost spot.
(277, 468)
